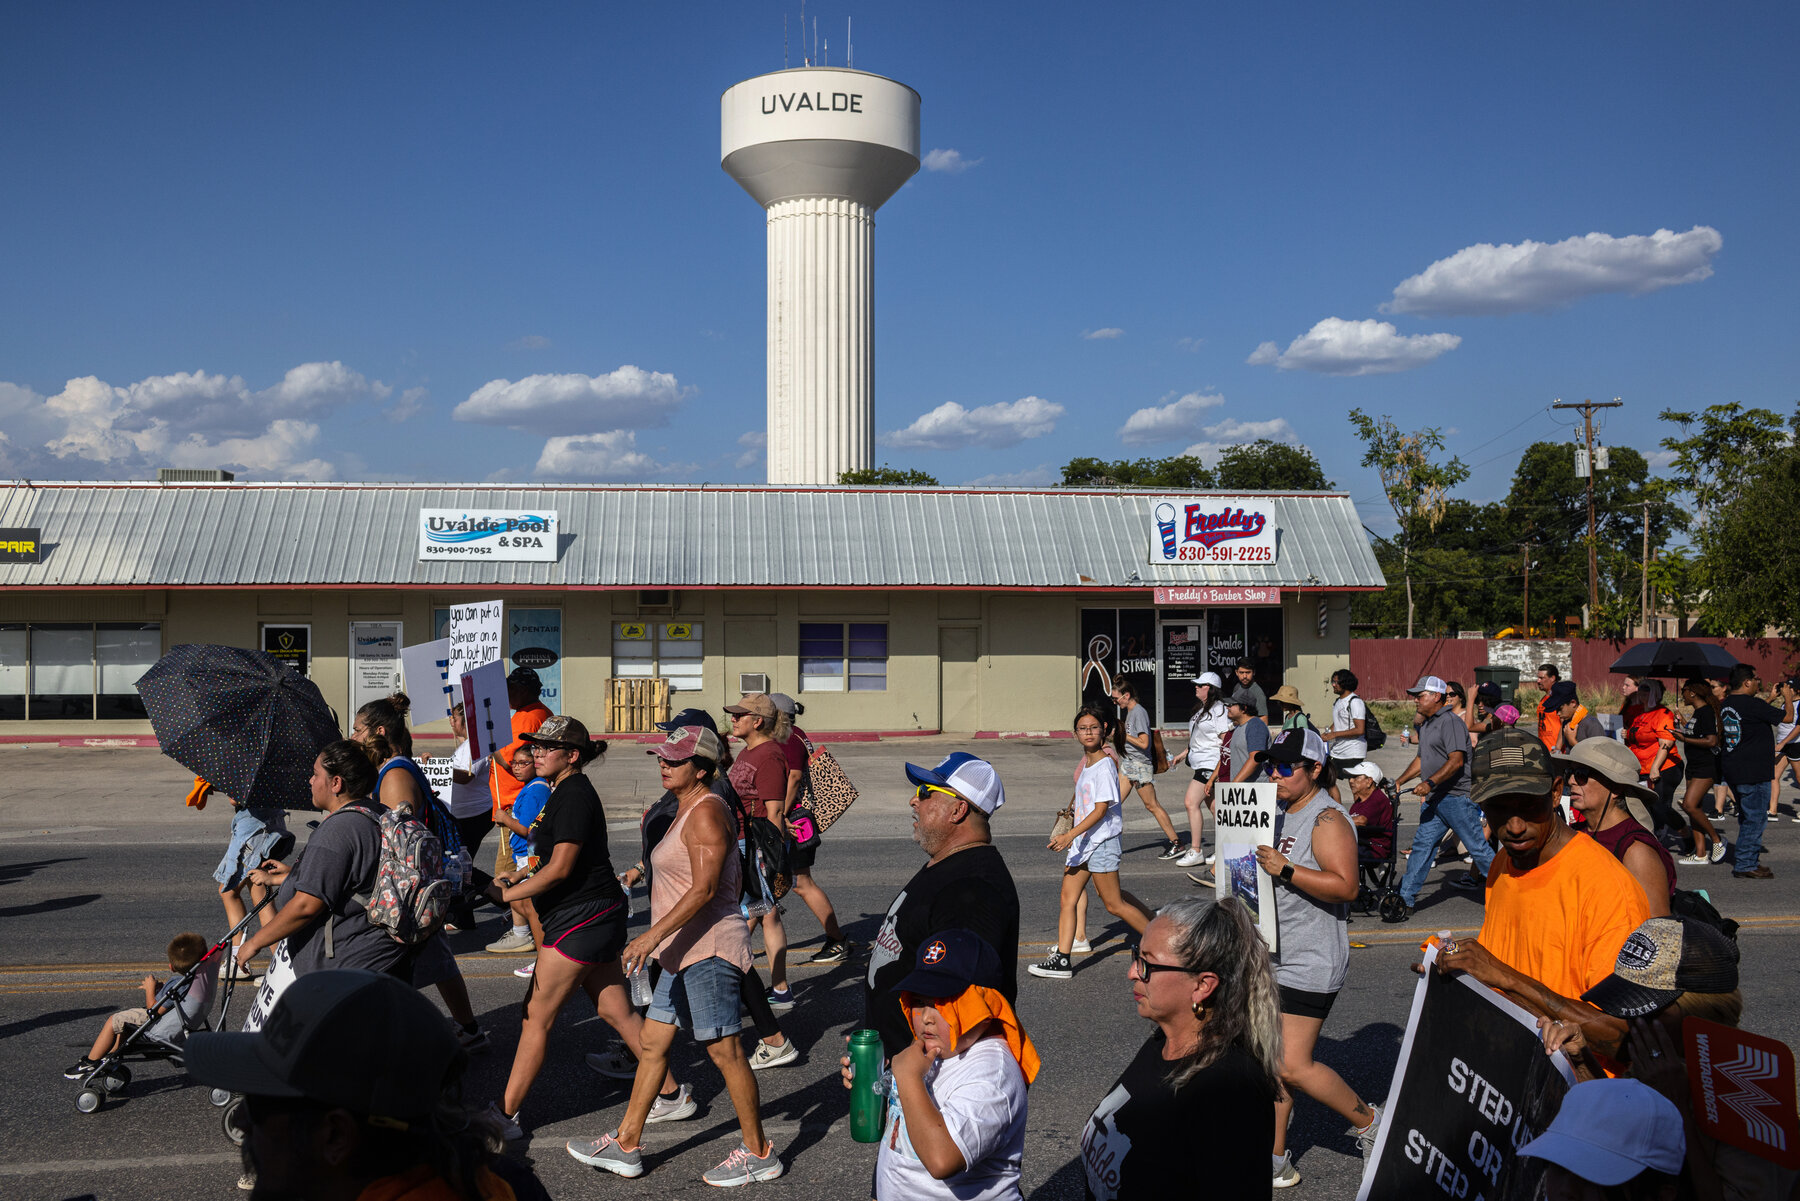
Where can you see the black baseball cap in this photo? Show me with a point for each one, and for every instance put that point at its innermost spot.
(525, 677)
(949, 962)
(689, 717)
(1489, 692)
(1560, 694)
(346, 1038)
(1661, 959)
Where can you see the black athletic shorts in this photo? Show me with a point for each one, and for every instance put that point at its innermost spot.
(1303, 1004)
(800, 862)
(586, 933)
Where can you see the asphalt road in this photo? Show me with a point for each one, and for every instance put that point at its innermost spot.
(99, 866)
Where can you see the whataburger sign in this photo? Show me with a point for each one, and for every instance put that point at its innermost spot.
(494, 535)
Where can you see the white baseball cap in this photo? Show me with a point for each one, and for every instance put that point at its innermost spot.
(1609, 1131)
(1365, 768)
(1429, 684)
(1209, 677)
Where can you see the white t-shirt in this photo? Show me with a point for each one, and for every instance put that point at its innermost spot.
(981, 1094)
(1095, 786)
(1346, 711)
(1206, 737)
(473, 798)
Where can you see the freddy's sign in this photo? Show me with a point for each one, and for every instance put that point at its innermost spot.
(1212, 530)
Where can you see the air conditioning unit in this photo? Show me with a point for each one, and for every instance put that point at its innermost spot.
(656, 600)
(752, 681)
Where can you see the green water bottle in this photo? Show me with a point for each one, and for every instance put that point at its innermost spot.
(868, 1100)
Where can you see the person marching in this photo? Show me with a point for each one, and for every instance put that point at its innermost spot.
(1092, 846)
(1139, 769)
(798, 749)
(1314, 865)
(760, 776)
(1207, 727)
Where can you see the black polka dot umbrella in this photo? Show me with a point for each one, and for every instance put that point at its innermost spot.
(245, 721)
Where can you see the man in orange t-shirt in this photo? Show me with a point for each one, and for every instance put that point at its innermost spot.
(1559, 905)
(1549, 720)
(522, 689)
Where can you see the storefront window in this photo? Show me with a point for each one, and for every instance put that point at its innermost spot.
(123, 653)
(838, 656)
(13, 647)
(674, 650)
(62, 672)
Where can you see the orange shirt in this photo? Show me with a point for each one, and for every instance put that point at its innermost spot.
(1645, 731)
(1549, 727)
(1562, 923)
(504, 785)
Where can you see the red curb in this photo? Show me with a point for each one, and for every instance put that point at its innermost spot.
(1024, 734)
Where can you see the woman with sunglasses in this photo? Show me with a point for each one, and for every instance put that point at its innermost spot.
(1198, 1101)
(1602, 774)
(1314, 865)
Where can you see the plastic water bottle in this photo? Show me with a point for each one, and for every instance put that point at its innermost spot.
(868, 1098)
(639, 982)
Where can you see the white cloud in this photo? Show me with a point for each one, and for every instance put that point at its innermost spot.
(1233, 432)
(952, 427)
(1659, 460)
(756, 447)
(1338, 347)
(1485, 279)
(629, 398)
(949, 162)
(611, 456)
(1189, 344)
(1031, 477)
(1177, 419)
(529, 342)
(94, 429)
(410, 405)
(1104, 334)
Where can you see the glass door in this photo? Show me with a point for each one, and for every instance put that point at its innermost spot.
(1180, 643)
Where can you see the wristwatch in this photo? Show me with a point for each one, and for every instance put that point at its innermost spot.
(1287, 874)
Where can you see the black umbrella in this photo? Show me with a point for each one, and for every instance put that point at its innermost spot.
(244, 721)
(1660, 660)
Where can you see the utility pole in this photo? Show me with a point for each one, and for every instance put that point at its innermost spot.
(1526, 547)
(1644, 579)
(1586, 408)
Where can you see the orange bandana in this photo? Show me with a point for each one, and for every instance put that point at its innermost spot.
(196, 797)
(974, 1006)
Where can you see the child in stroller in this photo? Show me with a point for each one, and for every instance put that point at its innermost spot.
(169, 1012)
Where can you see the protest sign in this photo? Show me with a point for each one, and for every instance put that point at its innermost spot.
(475, 632)
(426, 669)
(1246, 820)
(1473, 1085)
(485, 710)
(1743, 1089)
(437, 774)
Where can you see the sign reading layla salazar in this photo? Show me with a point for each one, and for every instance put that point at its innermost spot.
(1473, 1085)
(497, 535)
(1212, 529)
(1246, 820)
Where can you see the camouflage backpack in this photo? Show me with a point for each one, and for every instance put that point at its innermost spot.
(411, 895)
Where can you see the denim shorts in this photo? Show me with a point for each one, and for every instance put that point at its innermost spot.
(1138, 768)
(253, 833)
(702, 998)
(1104, 855)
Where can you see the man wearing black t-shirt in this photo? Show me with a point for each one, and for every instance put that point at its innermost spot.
(1746, 751)
(964, 885)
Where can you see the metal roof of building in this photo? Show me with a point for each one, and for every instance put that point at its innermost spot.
(248, 535)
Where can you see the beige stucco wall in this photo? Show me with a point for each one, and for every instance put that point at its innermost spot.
(1026, 670)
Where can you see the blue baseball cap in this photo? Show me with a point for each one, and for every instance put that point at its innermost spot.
(949, 962)
(972, 779)
(688, 717)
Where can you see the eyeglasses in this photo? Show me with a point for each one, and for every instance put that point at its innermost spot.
(925, 789)
(1145, 969)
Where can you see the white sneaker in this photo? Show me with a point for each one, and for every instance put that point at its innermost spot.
(1693, 861)
(1286, 1175)
(526, 971)
(1192, 858)
(673, 1109)
(1080, 944)
(768, 1056)
(513, 942)
(1209, 860)
(1365, 1137)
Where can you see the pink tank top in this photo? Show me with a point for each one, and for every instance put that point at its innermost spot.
(717, 930)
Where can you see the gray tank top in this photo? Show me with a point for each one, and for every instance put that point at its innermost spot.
(1315, 934)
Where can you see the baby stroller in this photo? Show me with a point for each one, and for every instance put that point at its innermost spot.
(158, 1038)
(1378, 887)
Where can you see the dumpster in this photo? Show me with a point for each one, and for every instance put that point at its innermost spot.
(1507, 678)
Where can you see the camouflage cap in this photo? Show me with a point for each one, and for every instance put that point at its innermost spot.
(1511, 762)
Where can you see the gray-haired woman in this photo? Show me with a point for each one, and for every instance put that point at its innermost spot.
(1202, 1088)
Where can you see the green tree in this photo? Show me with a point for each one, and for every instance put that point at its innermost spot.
(1547, 507)
(1675, 579)
(1180, 471)
(1268, 466)
(1415, 483)
(885, 475)
(1713, 461)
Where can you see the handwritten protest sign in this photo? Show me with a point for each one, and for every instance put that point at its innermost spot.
(475, 632)
(437, 774)
(1473, 1085)
(1246, 817)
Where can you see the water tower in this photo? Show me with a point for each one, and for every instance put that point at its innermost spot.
(820, 148)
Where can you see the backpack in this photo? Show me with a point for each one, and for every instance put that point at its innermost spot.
(762, 855)
(410, 896)
(1373, 734)
(1687, 903)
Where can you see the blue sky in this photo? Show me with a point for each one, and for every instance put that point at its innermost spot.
(296, 239)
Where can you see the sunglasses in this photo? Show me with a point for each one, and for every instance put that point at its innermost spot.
(925, 790)
(1578, 776)
(1145, 969)
(1284, 770)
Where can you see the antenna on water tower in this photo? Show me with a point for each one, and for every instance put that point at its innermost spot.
(849, 44)
(784, 42)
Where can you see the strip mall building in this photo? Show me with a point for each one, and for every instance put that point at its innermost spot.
(884, 610)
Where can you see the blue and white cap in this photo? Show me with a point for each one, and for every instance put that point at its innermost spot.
(975, 780)
(1429, 684)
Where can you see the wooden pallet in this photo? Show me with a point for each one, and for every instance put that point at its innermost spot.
(635, 706)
